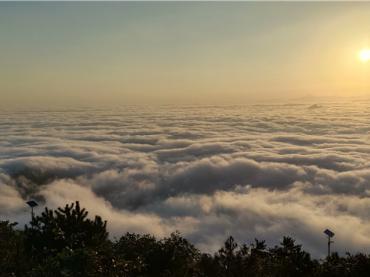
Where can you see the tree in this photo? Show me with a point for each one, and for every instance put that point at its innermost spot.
(259, 262)
(227, 259)
(143, 255)
(179, 255)
(136, 254)
(11, 250)
(207, 266)
(65, 242)
(291, 260)
(359, 263)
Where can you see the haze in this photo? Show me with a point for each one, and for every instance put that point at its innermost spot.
(180, 53)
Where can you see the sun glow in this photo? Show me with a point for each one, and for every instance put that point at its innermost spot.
(364, 55)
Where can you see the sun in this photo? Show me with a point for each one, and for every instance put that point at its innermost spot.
(364, 55)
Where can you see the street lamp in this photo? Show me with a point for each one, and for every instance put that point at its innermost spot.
(330, 234)
(32, 204)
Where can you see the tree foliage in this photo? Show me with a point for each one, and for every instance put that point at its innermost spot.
(67, 242)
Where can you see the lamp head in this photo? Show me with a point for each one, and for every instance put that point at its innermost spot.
(32, 203)
(329, 233)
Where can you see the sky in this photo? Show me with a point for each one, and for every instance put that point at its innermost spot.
(117, 53)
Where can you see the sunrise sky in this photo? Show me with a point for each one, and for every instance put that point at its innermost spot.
(181, 53)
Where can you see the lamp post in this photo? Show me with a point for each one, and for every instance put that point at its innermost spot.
(32, 204)
(330, 234)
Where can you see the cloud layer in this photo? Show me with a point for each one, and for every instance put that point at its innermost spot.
(250, 171)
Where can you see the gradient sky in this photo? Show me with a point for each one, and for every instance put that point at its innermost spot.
(180, 53)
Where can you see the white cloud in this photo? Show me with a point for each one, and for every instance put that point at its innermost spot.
(250, 171)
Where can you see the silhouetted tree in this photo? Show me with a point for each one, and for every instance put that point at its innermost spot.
(179, 255)
(207, 266)
(291, 260)
(259, 262)
(143, 255)
(359, 263)
(65, 242)
(136, 254)
(227, 259)
(12, 260)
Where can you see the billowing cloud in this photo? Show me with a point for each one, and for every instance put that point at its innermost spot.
(249, 171)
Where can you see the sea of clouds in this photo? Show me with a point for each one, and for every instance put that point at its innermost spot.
(259, 171)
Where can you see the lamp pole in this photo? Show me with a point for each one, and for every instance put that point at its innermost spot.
(329, 242)
(330, 234)
(32, 204)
